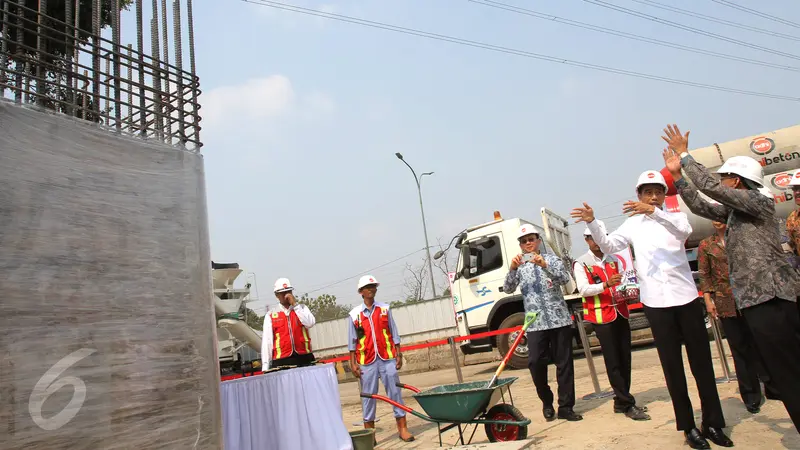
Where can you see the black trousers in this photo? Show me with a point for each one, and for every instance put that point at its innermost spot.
(555, 343)
(684, 324)
(615, 340)
(746, 360)
(776, 331)
(294, 360)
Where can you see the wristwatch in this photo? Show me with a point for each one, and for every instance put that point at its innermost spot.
(684, 155)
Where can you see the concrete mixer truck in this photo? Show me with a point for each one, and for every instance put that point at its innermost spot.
(486, 249)
(779, 154)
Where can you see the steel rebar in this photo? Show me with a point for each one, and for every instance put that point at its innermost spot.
(85, 95)
(115, 24)
(76, 49)
(96, 56)
(176, 16)
(41, 93)
(193, 68)
(140, 48)
(159, 119)
(19, 64)
(70, 44)
(107, 83)
(4, 31)
(130, 89)
(165, 43)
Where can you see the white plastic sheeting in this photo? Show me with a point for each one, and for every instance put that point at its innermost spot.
(107, 335)
(296, 409)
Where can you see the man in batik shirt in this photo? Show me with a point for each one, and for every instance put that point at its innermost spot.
(712, 264)
(540, 277)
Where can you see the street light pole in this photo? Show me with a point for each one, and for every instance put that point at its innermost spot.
(424, 226)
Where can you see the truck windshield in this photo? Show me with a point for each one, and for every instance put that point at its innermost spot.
(481, 256)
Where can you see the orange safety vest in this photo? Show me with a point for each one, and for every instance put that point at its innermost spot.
(289, 336)
(602, 308)
(376, 338)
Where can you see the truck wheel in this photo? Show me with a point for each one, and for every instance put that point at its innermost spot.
(519, 360)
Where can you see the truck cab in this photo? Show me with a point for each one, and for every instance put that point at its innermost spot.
(485, 252)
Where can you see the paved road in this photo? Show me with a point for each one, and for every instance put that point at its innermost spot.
(601, 428)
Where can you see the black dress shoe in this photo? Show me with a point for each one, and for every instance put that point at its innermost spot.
(636, 413)
(753, 408)
(549, 413)
(569, 415)
(624, 409)
(717, 436)
(696, 440)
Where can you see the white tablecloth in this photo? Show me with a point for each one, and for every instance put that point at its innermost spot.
(297, 409)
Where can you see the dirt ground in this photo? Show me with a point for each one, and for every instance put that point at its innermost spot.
(601, 428)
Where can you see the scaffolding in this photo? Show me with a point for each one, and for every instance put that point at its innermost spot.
(54, 55)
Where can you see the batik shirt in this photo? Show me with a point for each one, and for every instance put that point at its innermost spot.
(759, 270)
(541, 292)
(793, 230)
(712, 264)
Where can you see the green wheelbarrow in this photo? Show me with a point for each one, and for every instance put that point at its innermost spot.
(465, 404)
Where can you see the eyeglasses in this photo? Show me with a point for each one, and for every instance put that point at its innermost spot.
(529, 239)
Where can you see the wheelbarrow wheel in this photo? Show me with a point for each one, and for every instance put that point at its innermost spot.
(501, 433)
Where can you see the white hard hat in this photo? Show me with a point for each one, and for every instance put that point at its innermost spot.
(527, 229)
(283, 285)
(746, 167)
(366, 280)
(795, 181)
(651, 177)
(602, 226)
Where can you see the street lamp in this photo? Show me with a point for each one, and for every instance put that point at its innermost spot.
(422, 210)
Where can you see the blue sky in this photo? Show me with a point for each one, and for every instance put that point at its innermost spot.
(302, 117)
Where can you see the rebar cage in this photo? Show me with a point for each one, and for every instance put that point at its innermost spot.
(53, 55)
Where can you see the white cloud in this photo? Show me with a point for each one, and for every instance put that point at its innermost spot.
(258, 104)
(260, 98)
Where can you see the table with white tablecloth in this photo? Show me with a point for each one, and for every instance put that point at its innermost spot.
(296, 409)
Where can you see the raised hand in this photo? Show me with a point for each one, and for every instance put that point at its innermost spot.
(672, 161)
(585, 214)
(632, 208)
(675, 140)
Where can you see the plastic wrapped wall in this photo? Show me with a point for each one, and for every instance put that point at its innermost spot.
(107, 335)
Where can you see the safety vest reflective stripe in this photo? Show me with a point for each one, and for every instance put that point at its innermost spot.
(308, 339)
(277, 345)
(598, 310)
(388, 344)
(362, 344)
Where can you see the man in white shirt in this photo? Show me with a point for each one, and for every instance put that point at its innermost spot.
(671, 302)
(285, 341)
(597, 276)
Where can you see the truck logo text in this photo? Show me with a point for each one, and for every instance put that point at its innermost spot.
(762, 145)
(779, 158)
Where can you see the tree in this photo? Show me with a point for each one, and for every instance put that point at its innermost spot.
(416, 280)
(56, 46)
(324, 307)
(253, 320)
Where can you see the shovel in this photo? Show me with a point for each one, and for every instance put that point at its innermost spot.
(529, 319)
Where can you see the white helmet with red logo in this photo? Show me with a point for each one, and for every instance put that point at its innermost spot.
(795, 181)
(527, 229)
(600, 224)
(367, 280)
(745, 167)
(283, 285)
(651, 177)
